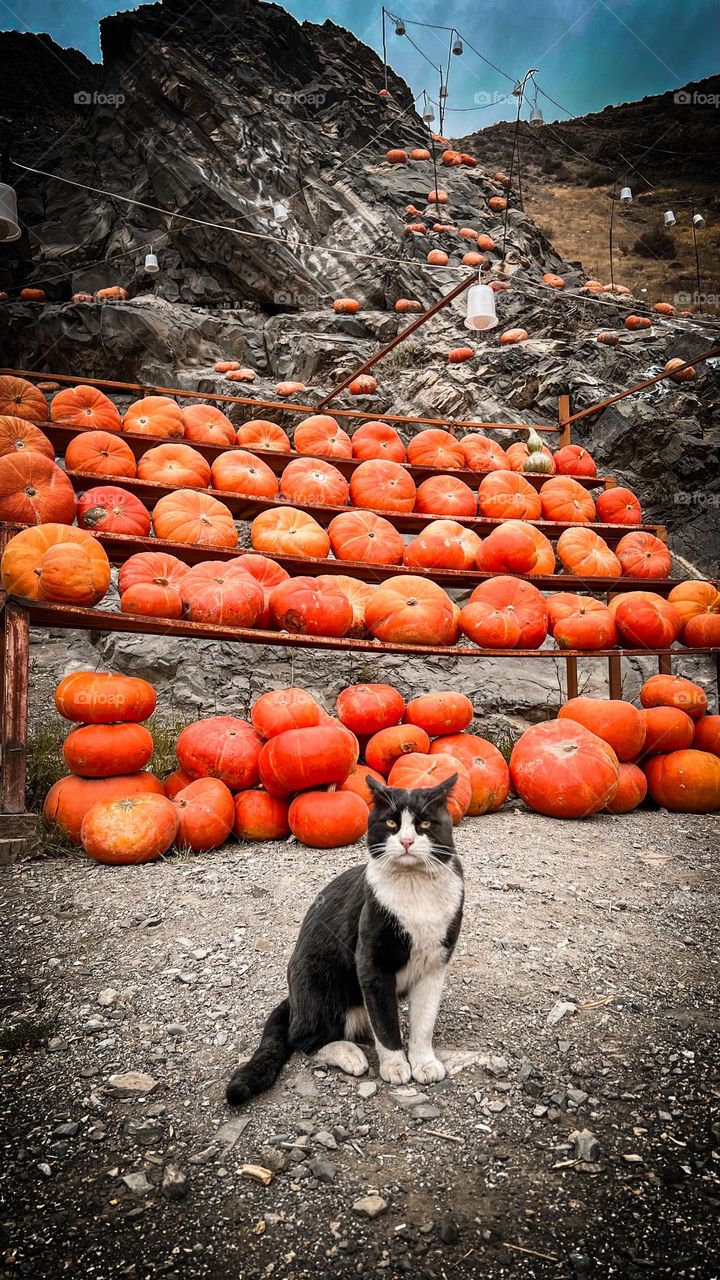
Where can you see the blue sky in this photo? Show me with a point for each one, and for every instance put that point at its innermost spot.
(589, 52)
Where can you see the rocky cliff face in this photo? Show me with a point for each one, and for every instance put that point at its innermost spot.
(218, 115)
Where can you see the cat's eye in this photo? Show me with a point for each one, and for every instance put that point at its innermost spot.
(391, 823)
(424, 825)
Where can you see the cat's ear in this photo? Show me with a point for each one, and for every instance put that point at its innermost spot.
(379, 791)
(437, 796)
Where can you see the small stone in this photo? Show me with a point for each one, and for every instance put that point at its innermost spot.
(228, 1133)
(326, 1140)
(137, 1183)
(174, 1183)
(131, 1084)
(204, 1156)
(45, 1170)
(107, 997)
(587, 1147)
(176, 1030)
(632, 1158)
(66, 1130)
(559, 1011)
(367, 1089)
(426, 1111)
(577, 1096)
(370, 1206)
(257, 1173)
(449, 1230)
(321, 1169)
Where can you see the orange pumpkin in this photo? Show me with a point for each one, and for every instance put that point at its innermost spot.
(19, 436)
(485, 242)
(286, 531)
(680, 370)
(396, 156)
(404, 306)
(289, 388)
(608, 338)
(98, 697)
(506, 495)
(437, 197)
(261, 434)
(82, 297)
(283, 709)
(642, 555)
(459, 355)
(69, 800)
(387, 746)
(707, 734)
(386, 486)
(515, 547)
(486, 767)
(585, 553)
(420, 153)
(34, 490)
(299, 759)
(675, 691)
(553, 281)
(505, 613)
(364, 385)
(377, 440)
(482, 454)
(561, 769)
(666, 729)
(364, 537)
(498, 204)
(573, 460)
(241, 375)
(618, 506)
(102, 454)
(443, 544)
(204, 424)
(632, 789)
(155, 416)
(366, 709)
(420, 770)
(129, 831)
(702, 631)
(646, 621)
(450, 158)
(472, 259)
(226, 366)
(348, 306)
(694, 598)
(617, 722)
(437, 258)
(311, 606)
(104, 750)
(416, 229)
(685, 781)
(206, 815)
(312, 482)
(150, 600)
(357, 783)
(445, 496)
(155, 568)
(511, 336)
(637, 322)
(517, 455)
(56, 563)
(223, 747)
(85, 407)
(113, 510)
(323, 437)
(176, 465)
(411, 610)
(359, 595)
(565, 501)
(328, 819)
(436, 448)
(441, 712)
(268, 575)
(239, 471)
(115, 293)
(222, 592)
(260, 816)
(196, 517)
(580, 622)
(33, 295)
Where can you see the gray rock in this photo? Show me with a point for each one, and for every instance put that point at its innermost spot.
(326, 1140)
(426, 1111)
(449, 1230)
(67, 1130)
(322, 1169)
(137, 1183)
(367, 1089)
(174, 1185)
(587, 1147)
(370, 1206)
(131, 1084)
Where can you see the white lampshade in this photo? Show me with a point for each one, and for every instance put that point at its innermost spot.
(151, 264)
(669, 218)
(280, 212)
(399, 27)
(480, 309)
(443, 92)
(457, 46)
(536, 116)
(428, 115)
(626, 195)
(698, 220)
(9, 225)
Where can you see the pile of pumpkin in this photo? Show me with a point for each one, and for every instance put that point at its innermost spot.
(606, 754)
(291, 769)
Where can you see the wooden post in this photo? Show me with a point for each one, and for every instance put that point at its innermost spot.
(615, 675)
(563, 416)
(665, 664)
(16, 645)
(571, 677)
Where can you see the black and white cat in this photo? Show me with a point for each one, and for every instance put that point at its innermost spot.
(378, 931)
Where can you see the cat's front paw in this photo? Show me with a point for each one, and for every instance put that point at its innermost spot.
(395, 1069)
(428, 1072)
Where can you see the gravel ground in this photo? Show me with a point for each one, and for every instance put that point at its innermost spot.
(577, 1132)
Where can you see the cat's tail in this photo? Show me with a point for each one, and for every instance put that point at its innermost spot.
(263, 1069)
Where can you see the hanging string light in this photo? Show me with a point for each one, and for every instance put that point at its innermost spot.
(626, 195)
(152, 265)
(457, 47)
(428, 114)
(669, 218)
(9, 225)
(280, 212)
(399, 27)
(698, 220)
(480, 310)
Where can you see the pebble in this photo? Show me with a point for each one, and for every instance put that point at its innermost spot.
(131, 1083)
(137, 1183)
(107, 997)
(322, 1169)
(174, 1183)
(426, 1111)
(326, 1140)
(370, 1206)
(367, 1089)
(586, 1145)
(449, 1230)
(559, 1011)
(66, 1130)
(176, 1030)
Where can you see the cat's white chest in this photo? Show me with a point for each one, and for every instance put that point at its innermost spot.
(425, 907)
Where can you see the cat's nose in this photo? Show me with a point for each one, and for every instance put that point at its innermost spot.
(406, 842)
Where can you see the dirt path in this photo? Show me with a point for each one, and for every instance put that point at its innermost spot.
(170, 969)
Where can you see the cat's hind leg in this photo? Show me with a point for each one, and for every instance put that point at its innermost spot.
(344, 1054)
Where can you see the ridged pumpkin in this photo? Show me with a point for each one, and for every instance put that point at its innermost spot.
(675, 691)
(666, 729)
(328, 819)
(34, 490)
(632, 789)
(472, 259)
(389, 744)
(102, 454)
(580, 622)
(221, 592)
(268, 575)
(350, 306)
(617, 722)
(436, 448)
(311, 606)
(618, 506)
(695, 598)
(363, 385)
(441, 712)
(584, 553)
(323, 437)
(289, 388)
(482, 454)
(445, 496)
(437, 258)
(637, 322)
(196, 517)
(561, 769)
(114, 293)
(286, 531)
(282, 709)
(312, 482)
(459, 355)
(259, 433)
(85, 407)
(104, 750)
(33, 295)
(485, 242)
(487, 770)
(645, 620)
(129, 831)
(151, 600)
(17, 435)
(56, 563)
(443, 544)
(357, 782)
(69, 800)
(573, 460)
(642, 555)
(151, 567)
(515, 547)
(204, 424)
(98, 697)
(223, 747)
(303, 758)
(505, 613)
(363, 536)
(385, 486)
(359, 594)
(512, 336)
(20, 399)
(110, 509)
(177, 465)
(206, 815)
(553, 281)
(367, 708)
(565, 501)
(411, 610)
(239, 471)
(260, 816)
(155, 416)
(707, 734)
(506, 495)
(702, 631)
(418, 770)
(685, 781)
(377, 440)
